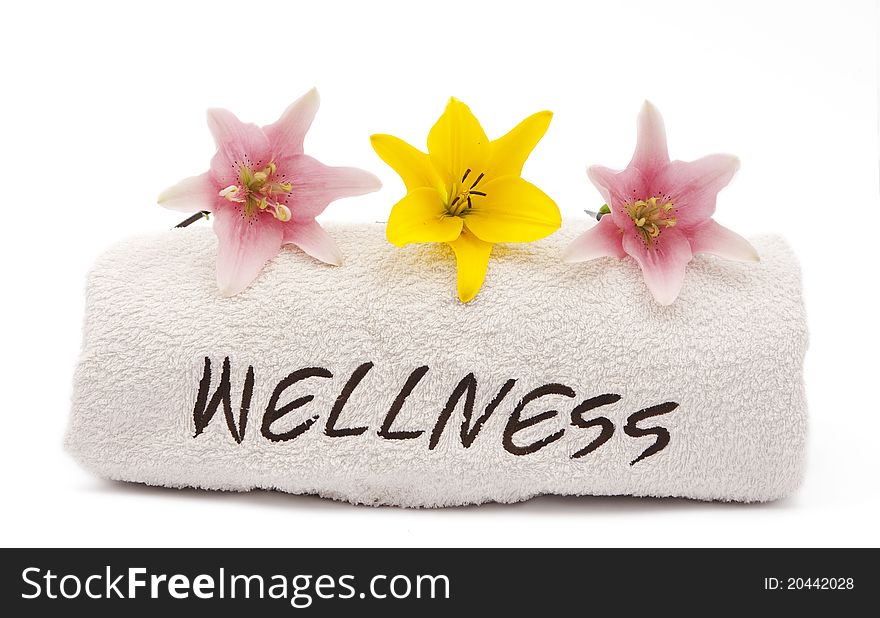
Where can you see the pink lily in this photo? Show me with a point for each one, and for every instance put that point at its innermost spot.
(661, 212)
(265, 193)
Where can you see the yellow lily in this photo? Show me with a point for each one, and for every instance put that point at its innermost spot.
(467, 191)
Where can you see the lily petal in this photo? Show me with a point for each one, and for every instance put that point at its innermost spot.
(603, 239)
(244, 247)
(412, 165)
(711, 237)
(694, 186)
(472, 259)
(604, 179)
(514, 210)
(663, 266)
(191, 194)
(314, 240)
(238, 144)
(457, 142)
(286, 135)
(651, 151)
(422, 217)
(509, 152)
(617, 188)
(315, 185)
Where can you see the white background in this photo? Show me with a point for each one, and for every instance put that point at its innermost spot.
(103, 106)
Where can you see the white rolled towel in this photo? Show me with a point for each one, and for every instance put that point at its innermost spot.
(371, 383)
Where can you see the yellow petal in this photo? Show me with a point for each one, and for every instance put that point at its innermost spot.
(472, 257)
(513, 210)
(458, 143)
(509, 153)
(421, 217)
(413, 165)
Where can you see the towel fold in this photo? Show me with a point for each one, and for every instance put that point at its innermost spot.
(371, 383)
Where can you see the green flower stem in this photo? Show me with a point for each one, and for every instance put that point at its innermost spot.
(604, 210)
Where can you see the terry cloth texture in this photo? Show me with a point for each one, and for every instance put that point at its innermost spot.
(556, 379)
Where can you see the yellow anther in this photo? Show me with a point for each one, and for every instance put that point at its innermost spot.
(257, 192)
(229, 192)
(282, 212)
(651, 217)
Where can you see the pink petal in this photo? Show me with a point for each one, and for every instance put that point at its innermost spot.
(238, 144)
(694, 185)
(603, 239)
(286, 135)
(711, 237)
(663, 266)
(244, 247)
(309, 236)
(315, 185)
(604, 180)
(651, 153)
(191, 194)
(617, 189)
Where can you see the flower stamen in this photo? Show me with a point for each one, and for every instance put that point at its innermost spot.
(463, 199)
(259, 191)
(282, 212)
(651, 217)
(231, 193)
